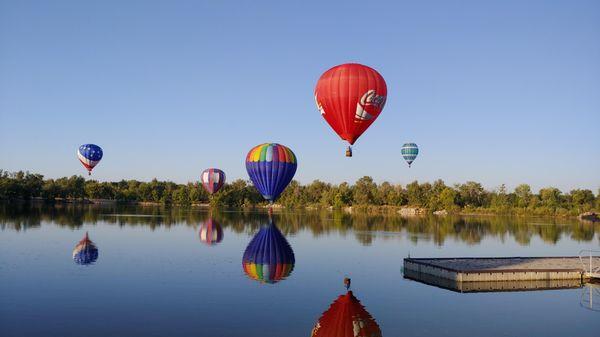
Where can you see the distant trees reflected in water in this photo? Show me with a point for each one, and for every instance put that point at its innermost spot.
(365, 228)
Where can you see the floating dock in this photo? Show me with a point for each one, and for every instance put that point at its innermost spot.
(501, 269)
(492, 286)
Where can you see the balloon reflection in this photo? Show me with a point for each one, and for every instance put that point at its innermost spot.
(85, 252)
(211, 232)
(269, 258)
(346, 317)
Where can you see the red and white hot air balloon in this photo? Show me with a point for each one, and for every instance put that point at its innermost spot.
(212, 179)
(350, 97)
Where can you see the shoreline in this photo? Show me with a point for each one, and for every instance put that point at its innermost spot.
(401, 211)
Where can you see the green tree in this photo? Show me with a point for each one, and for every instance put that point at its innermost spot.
(434, 202)
(294, 195)
(50, 190)
(365, 191)
(418, 194)
(499, 199)
(92, 189)
(32, 185)
(582, 200)
(448, 198)
(181, 196)
(550, 197)
(471, 194)
(344, 195)
(315, 190)
(388, 194)
(72, 187)
(523, 195)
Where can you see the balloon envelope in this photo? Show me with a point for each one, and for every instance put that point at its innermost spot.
(211, 232)
(350, 97)
(271, 167)
(212, 180)
(269, 257)
(409, 152)
(85, 252)
(89, 155)
(346, 317)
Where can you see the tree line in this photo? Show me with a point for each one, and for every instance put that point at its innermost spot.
(363, 194)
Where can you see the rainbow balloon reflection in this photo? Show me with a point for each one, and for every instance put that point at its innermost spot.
(269, 258)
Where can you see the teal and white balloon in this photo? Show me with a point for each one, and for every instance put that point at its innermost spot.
(409, 152)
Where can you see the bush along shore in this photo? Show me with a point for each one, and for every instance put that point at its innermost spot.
(364, 195)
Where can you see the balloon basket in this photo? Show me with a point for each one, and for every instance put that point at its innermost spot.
(349, 152)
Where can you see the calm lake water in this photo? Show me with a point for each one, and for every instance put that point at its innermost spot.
(157, 275)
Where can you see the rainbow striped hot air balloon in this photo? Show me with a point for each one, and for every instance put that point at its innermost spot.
(409, 152)
(211, 232)
(212, 180)
(269, 258)
(85, 252)
(271, 167)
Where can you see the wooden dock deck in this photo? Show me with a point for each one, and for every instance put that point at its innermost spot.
(485, 269)
(492, 286)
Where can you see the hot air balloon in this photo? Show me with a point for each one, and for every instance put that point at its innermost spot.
(346, 317)
(85, 252)
(350, 97)
(211, 232)
(271, 167)
(89, 155)
(212, 180)
(409, 152)
(269, 258)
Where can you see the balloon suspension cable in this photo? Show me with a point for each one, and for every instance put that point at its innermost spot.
(347, 282)
(349, 151)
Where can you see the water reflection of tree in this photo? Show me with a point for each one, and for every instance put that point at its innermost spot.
(471, 230)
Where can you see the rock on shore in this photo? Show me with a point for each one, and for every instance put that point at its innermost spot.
(589, 216)
(411, 211)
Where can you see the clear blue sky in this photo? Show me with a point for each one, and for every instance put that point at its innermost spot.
(492, 91)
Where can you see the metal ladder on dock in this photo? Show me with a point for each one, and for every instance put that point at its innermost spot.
(592, 270)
